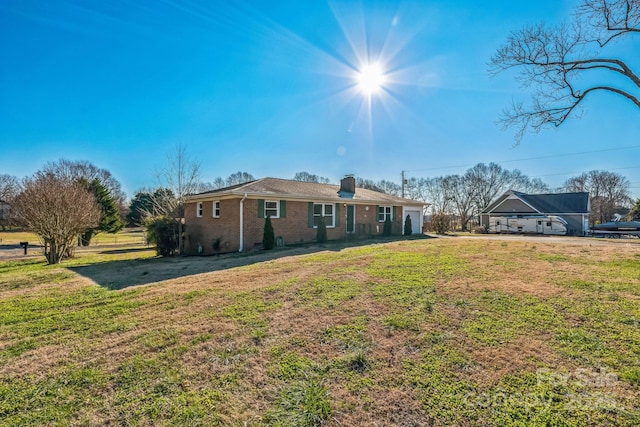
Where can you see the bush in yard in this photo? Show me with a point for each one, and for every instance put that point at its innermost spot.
(407, 226)
(440, 223)
(480, 230)
(163, 232)
(321, 233)
(268, 236)
(216, 244)
(387, 228)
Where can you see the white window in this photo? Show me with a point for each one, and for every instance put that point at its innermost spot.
(216, 209)
(384, 212)
(326, 211)
(272, 208)
(199, 210)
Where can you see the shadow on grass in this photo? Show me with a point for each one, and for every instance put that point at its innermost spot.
(124, 251)
(115, 275)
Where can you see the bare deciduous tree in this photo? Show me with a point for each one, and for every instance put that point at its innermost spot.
(180, 177)
(464, 197)
(567, 63)
(462, 194)
(382, 186)
(607, 191)
(367, 184)
(209, 186)
(436, 192)
(488, 182)
(238, 178)
(83, 169)
(57, 209)
(9, 188)
(390, 187)
(309, 177)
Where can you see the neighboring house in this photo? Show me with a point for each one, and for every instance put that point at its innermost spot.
(574, 208)
(232, 219)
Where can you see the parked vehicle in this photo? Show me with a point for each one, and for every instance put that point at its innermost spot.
(550, 224)
(616, 229)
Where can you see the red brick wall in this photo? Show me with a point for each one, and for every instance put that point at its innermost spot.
(293, 228)
(206, 229)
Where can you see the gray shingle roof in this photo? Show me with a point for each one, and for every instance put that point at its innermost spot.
(549, 203)
(558, 203)
(283, 188)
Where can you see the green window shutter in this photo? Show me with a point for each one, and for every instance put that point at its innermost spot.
(283, 208)
(310, 223)
(260, 208)
(377, 213)
(393, 213)
(337, 214)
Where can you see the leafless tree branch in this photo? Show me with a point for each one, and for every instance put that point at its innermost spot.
(564, 64)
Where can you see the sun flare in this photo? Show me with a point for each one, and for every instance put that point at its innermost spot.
(371, 79)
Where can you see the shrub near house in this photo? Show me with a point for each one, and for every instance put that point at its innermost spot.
(236, 215)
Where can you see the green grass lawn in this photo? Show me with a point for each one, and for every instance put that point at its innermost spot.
(125, 236)
(426, 332)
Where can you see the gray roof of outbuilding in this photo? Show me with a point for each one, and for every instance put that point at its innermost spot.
(566, 203)
(276, 187)
(559, 202)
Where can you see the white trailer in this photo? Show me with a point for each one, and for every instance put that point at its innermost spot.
(550, 224)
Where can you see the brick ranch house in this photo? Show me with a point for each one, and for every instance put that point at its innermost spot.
(234, 217)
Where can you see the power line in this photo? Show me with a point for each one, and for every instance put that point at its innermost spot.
(572, 173)
(550, 156)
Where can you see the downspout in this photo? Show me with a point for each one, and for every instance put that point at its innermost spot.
(242, 222)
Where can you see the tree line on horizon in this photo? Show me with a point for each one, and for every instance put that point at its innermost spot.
(91, 200)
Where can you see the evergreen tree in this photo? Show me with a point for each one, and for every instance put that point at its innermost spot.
(148, 204)
(268, 237)
(321, 233)
(387, 228)
(407, 226)
(110, 221)
(634, 213)
(140, 204)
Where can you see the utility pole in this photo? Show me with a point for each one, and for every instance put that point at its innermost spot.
(402, 176)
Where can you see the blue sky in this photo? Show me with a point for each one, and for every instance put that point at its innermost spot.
(270, 88)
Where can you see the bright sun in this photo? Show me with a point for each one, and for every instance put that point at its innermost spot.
(371, 79)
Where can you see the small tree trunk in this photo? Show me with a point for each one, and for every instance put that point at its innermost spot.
(54, 256)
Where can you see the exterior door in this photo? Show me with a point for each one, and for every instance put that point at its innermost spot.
(351, 218)
(416, 224)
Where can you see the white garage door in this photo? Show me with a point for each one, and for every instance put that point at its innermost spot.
(416, 224)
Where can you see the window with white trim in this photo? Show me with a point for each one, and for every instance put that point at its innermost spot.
(216, 209)
(199, 209)
(272, 208)
(384, 212)
(326, 211)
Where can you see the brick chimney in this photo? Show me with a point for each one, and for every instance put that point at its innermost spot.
(348, 184)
